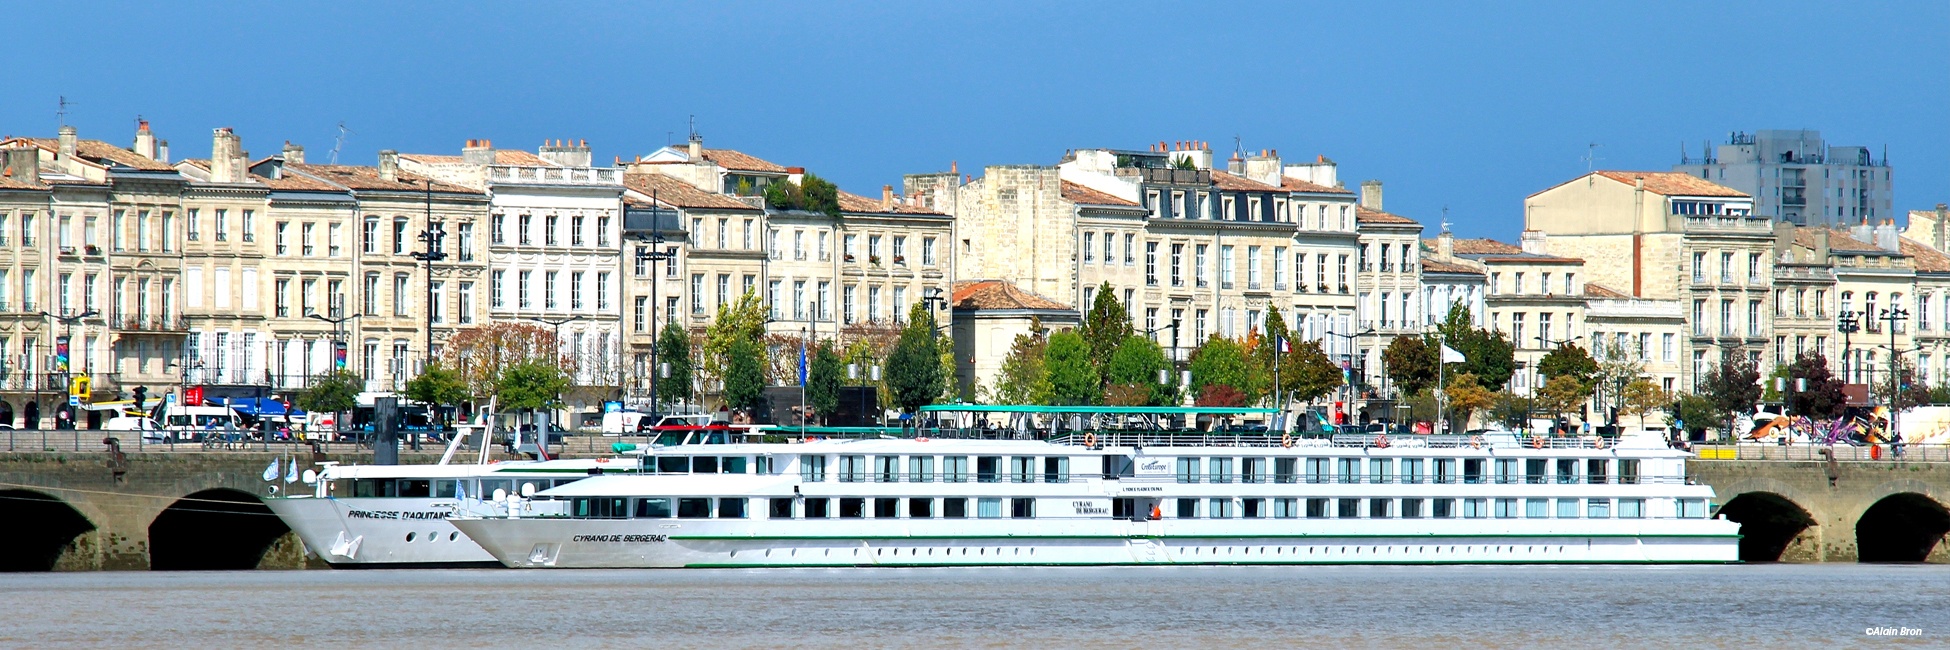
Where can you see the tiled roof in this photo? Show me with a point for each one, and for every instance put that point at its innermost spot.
(105, 153)
(1075, 193)
(1839, 241)
(1673, 183)
(295, 183)
(367, 178)
(1434, 266)
(1364, 215)
(1927, 259)
(1225, 181)
(1485, 247)
(1595, 290)
(741, 161)
(999, 294)
(1297, 185)
(850, 202)
(675, 192)
(501, 157)
(11, 183)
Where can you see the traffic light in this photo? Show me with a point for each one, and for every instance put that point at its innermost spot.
(141, 395)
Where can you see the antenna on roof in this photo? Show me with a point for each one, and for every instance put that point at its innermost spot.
(1445, 218)
(61, 114)
(693, 127)
(339, 143)
(1591, 156)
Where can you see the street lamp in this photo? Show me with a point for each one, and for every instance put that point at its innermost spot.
(655, 251)
(1894, 316)
(1848, 323)
(432, 237)
(66, 344)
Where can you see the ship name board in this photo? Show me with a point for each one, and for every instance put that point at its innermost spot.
(621, 539)
(396, 514)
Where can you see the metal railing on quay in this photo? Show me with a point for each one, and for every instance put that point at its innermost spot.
(1906, 452)
(96, 441)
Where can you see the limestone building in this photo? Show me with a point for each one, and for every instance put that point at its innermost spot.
(1389, 285)
(1793, 175)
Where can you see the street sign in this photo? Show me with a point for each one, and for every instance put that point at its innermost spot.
(74, 400)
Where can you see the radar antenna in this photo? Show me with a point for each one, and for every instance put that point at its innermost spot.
(61, 114)
(339, 143)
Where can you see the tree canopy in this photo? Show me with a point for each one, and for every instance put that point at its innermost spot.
(1568, 360)
(1222, 361)
(1308, 373)
(823, 379)
(1073, 379)
(1134, 367)
(478, 355)
(1487, 354)
(914, 375)
(1105, 328)
(437, 385)
(1733, 386)
(812, 194)
(332, 392)
(1410, 363)
(674, 350)
(1024, 378)
(744, 376)
(531, 384)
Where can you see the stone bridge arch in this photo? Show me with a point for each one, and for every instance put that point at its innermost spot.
(1904, 520)
(223, 528)
(43, 529)
(1777, 522)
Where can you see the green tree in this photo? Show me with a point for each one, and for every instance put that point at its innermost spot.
(812, 194)
(1821, 398)
(1024, 378)
(823, 381)
(332, 392)
(1733, 386)
(437, 386)
(1222, 361)
(674, 350)
(1510, 410)
(1073, 380)
(1410, 363)
(744, 376)
(1911, 391)
(531, 384)
(1568, 360)
(1696, 412)
(1308, 373)
(1105, 328)
(1135, 366)
(1642, 397)
(1561, 395)
(914, 374)
(1465, 398)
(739, 320)
(1487, 355)
(1618, 368)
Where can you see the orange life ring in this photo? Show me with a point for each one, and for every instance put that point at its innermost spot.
(1476, 442)
(1601, 442)
(602, 460)
(1536, 442)
(1286, 440)
(1381, 441)
(1090, 440)
(921, 439)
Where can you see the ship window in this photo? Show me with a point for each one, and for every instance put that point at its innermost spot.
(1316, 508)
(602, 507)
(1567, 508)
(1537, 508)
(1380, 508)
(372, 487)
(853, 507)
(886, 508)
(1445, 470)
(1220, 508)
(1350, 470)
(563, 481)
(1595, 470)
(988, 469)
(1022, 469)
(1349, 509)
(1567, 470)
(445, 489)
(1411, 471)
(658, 508)
(1475, 508)
(781, 508)
(886, 469)
(763, 465)
(734, 464)
(853, 469)
(1318, 470)
(1597, 508)
(704, 465)
(1056, 469)
(1442, 508)
(920, 469)
(1506, 508)
(1188, 470)
(1628, 471)
(988, 508)
(1252, 470)
(1124, 508)
(1692, 508)
(694, 508)
(817, 508)
(1221, 470)
(920, 508)
(1533, 470)
(1252, 508)
(954, 469)
(731, 508)
(812, 469)
(1119, 466)
(1286, 508)
(1631, 508)
(1381, 470)
(1411, 508)
(1472, 470)
(415, 487)
(954, 508)
(488, 487)
(1506, 470)
(1022, 508)
(673, 464)
(1285, 470)
(1187, 508)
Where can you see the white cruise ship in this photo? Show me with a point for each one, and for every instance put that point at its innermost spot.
(1112, 498)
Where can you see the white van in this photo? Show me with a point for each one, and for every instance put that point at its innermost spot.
(149, 430)
(192, 423)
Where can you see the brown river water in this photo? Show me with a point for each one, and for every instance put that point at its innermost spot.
(1751, 607)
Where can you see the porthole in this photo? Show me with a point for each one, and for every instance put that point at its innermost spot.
(453, 536)
(433, 537)
(409, 538)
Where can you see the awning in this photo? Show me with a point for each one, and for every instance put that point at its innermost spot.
(260, 406)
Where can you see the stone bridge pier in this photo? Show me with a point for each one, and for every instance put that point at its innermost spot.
(1828, 511)
(181, 510)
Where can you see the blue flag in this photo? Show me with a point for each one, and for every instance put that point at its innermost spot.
(802, 362)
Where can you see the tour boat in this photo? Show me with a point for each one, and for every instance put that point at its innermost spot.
(1123, 496)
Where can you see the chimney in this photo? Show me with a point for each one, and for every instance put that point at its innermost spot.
(226, 156)
(145, 141)
(67, 140)
(294, 154)
(1445, 245)
(388, 165)
(1821, 245)
(795, 174)
(23, 164)
(1942, 211)
(477, 152)
(886, 197)
(162, 152)
(696, 151)
(1534, 243)
(1371, 195)
(1886, 237)
(568, 154)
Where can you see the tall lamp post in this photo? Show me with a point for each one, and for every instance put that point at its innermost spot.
(1894, 316)
(1848, 323)
(555, 351)
(433, 236)
(67, 361)
(1162, 378)
(655, 251)
(338, 348)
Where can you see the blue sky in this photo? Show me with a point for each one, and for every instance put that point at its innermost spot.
(1466, 105)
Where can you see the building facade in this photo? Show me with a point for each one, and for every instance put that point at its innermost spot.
(1793, 175)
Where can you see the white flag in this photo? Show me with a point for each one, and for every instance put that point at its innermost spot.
(271, 473)
(1450, 355)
